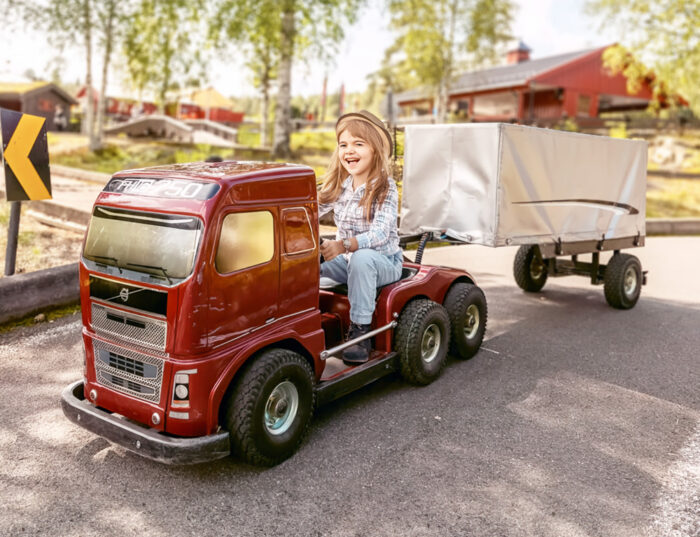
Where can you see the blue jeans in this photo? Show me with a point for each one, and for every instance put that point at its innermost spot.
(366, 270)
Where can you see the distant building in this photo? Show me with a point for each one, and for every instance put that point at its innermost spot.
(40, 99)
(574, 85)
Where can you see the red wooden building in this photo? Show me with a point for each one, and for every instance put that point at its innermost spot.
(572, 85)
(39, 99)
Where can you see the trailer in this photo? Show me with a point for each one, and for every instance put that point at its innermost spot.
(555, 194)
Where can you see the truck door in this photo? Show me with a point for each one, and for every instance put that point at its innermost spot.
(245, 276)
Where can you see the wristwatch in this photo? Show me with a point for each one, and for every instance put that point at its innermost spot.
(347, 243)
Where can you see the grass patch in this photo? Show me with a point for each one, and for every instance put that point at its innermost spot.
(673, 198)
(51, 316)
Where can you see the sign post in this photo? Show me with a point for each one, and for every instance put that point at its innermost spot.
(25, 154)
(12, 234)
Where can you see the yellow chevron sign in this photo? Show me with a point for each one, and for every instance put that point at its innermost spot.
(26, 154)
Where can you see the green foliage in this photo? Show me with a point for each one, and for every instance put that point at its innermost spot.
(440, 37)
(164, 43)
(662, 35)
(273, 33)
(314, 141)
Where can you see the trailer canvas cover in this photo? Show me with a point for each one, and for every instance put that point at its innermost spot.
(498, 184)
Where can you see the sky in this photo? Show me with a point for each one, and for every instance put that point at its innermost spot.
(548, 27)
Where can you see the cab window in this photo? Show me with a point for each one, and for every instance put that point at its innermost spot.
(297, 231)
(246, 240)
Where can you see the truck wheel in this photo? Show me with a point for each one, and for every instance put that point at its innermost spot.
(422, 339)
(466, 305)
(529, 268)
(270, 409)
(623, 281)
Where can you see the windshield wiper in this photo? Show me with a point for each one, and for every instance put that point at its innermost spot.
(151, 267)
(116, 263)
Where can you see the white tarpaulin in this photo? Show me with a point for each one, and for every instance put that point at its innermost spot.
(497, 184)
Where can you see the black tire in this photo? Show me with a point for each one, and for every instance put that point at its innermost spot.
(623, 281)
(422, 339)
(529, 269)
(276, 376)
(466, 306)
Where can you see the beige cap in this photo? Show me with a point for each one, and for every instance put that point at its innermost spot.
(373, 120)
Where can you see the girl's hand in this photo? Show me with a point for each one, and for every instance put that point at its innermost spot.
(331, 249)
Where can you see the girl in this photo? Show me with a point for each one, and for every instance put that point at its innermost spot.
(364, 199)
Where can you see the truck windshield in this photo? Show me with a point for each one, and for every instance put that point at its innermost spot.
(163, 246)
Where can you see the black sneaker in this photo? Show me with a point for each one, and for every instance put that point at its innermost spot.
(359, 352)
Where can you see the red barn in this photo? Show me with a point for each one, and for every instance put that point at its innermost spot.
(572, 85)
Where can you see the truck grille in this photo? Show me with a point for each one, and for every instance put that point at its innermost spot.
(143, 331)
(127, 371)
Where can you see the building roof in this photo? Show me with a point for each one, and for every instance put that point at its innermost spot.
(503, 76)
(19, 89)
(210, 98)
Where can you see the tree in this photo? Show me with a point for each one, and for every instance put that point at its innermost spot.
(279, 31)
(164, 42)
(64, 20)
(663, 35)
(252, 26)
(108, 23)
(440, 37)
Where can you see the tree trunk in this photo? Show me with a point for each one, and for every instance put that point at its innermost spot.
(88, 120)
(101, 103)
(283, 126)
(264, 112)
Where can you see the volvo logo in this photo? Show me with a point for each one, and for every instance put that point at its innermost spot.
(124, 294)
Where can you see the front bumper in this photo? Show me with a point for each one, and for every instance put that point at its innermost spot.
(141, 440)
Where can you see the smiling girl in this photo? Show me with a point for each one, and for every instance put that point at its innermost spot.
(364, 199)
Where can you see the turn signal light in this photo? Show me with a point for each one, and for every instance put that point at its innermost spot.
(181, 389)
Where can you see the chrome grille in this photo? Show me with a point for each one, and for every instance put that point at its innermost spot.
(127, 371)
(143, 331)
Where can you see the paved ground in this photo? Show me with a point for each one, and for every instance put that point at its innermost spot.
(574, 420)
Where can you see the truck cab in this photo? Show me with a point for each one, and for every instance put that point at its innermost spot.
(206, 329)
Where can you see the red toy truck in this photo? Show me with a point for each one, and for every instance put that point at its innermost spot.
(206, 330)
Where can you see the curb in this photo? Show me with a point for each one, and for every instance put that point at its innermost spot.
(673, 226)
(83, 175)
(25, 294)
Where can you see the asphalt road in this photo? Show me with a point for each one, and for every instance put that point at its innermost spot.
(574, 420)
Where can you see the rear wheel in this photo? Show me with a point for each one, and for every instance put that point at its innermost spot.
(529, 269)
(422, 339)
(623, 281)
(466, 307)
(270, 409)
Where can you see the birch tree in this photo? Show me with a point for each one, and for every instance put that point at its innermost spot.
(81, 22)
(441, 37)
(164, 43)
(285, 29)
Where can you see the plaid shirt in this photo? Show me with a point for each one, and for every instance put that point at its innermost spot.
(381, 233)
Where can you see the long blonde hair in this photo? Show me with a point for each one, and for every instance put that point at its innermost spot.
(377, 186)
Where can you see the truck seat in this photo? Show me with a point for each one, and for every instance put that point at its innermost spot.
(327, 284)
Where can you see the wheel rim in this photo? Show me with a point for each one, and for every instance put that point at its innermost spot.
(281, 408)
(430, 345)
(536, 268)
(630, 282)
(471, 321)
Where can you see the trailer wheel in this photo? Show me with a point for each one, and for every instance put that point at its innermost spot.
(623, 281)
(529, 268)
(422, 339)
(270, 409)
(466, 307)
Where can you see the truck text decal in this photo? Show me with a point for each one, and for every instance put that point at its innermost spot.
(162, 188)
